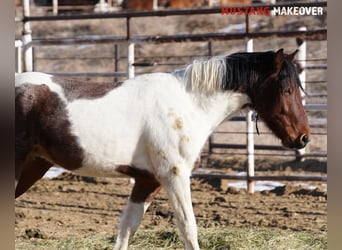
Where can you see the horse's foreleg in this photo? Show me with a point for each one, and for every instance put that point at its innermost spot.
(143, 193)
(31, 170)
(177, 186)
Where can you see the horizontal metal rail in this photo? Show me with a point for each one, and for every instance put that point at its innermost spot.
(313, 67)
(316, 106)
(285, 154)
(320, 34)
(322, 178)
(243, 146)
(160, 13)
(90, 74)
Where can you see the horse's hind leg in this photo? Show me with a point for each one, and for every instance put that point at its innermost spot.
(143, 193)
(30, 171)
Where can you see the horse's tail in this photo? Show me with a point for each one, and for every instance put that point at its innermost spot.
(27, 96)
(29, 99)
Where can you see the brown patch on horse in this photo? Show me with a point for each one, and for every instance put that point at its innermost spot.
(42, 125)
(134, 172)
(144, 190)
(146, 186)
(137, 5)
(32, 170)
(74, 89)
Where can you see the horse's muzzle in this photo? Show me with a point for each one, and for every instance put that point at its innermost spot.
(301, 141)
(298, 143)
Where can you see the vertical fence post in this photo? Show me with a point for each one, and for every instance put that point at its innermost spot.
(249, 127)
(130, 57)
(55, 7)
(301, 45)
(27, 38)
(102, 4)
(130, 51)
(210, 141)
(116, 60)
(155, 5)
(250, 137)
(18, 56)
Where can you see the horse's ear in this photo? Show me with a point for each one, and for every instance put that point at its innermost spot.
(293, 55)
(279, 60)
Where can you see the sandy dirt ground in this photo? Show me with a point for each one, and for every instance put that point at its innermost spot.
(71, 206)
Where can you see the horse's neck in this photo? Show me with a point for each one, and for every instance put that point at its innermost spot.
(214, 107)
(217, 107)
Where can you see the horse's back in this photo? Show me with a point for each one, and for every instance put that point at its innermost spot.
(32, 77)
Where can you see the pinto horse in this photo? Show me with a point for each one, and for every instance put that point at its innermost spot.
(151, 127)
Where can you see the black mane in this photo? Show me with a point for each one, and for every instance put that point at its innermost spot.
(245, 71)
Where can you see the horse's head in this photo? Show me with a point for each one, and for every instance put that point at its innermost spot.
(278, 101)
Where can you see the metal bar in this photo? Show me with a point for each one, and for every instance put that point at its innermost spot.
(280, 154)
(18, 53)
(55, 7)
(85, 74)
(312, 67)
(164, 12)
(178, 38)
(130, 60)
(320, 34)
(316, 154)
(27, 38)
(316, 106)
(210, 139)
(316, 96)
(128, 29)
(250, 128)
(261, 133)
(116, 59)
(259, 147)
(79, 40)
(243, 146)
(314, 82)
(301, 43)
(144, 64)
(261, 177)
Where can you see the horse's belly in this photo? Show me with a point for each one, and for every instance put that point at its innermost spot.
(99, 171)
(105, 150)
(104, 155)
(101, 163)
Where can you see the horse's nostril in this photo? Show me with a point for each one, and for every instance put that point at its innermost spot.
(304, 139)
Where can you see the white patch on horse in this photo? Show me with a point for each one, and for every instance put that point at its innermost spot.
(38, 78)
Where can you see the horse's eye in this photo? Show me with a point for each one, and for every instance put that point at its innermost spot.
(287, 91)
